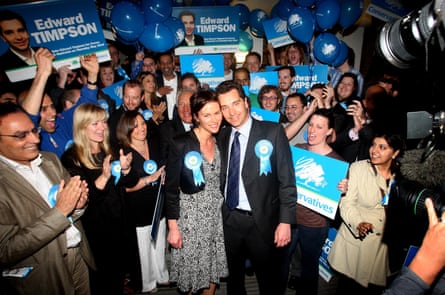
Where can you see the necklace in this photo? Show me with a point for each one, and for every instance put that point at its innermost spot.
(142, 150)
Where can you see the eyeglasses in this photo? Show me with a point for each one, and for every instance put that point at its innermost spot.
(269, 98)
(20, 135)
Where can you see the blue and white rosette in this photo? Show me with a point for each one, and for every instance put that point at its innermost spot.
(52, 197)
(147, 114)
(104, 104)
(116, 170)
(193, 161)
(263, 150)
(150, 167)
(68, 144)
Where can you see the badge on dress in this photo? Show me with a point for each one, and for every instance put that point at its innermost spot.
(193, 161)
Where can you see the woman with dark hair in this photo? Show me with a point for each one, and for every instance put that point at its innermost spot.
(140, 200)
(91, 157)
(312, 228)
(156, 104)
(358, 253)
(194, 201)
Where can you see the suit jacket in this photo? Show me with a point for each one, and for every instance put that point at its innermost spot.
(272, 197)
(33, 234)
(167, 132)
(199, 40)
(180, 177)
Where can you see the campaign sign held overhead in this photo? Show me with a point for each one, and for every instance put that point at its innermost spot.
(68, 28)
(208, 68)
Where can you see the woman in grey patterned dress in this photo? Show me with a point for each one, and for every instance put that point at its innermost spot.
(194, 200)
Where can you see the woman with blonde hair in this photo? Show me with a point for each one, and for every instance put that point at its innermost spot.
(90, 157)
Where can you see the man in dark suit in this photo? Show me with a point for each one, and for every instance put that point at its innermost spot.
(43, 248)
(179, 125)
(190, 39)
(168, 82)
(258, 225)
(19, 54)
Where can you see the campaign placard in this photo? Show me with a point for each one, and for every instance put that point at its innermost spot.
(216, 28)
(264, 115)
(306, 76)
(68, 28)
(324, 269)
(208, 68)
(387, 10)
(276, 32)
(259, 79)
(115, 91)
(316, 178)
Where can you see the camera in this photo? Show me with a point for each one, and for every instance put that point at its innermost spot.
(402, 42)
(407, 218)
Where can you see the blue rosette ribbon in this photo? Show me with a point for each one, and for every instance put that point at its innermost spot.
(193, 161)
(104, 104)
(263, 150)
(147, 114)
(116, 170)
(52, 197)
(150, 167)
(68, 144)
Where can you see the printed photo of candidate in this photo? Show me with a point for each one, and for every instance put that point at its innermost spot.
(191, 39)
(14, 32)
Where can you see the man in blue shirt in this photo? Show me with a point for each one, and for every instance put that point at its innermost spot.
(56, 129)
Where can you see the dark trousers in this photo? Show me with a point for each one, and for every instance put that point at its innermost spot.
(243, 240)
(311, 241)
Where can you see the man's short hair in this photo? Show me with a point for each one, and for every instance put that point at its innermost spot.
(11, 15)
(187, 13)
(290, 68)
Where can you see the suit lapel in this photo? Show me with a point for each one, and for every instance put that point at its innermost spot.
(15, 182)
(251, 160)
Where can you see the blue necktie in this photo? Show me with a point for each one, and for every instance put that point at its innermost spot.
(233, 177)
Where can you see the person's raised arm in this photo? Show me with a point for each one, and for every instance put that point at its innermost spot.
(293, 128)
(91, 64)
(33, 100)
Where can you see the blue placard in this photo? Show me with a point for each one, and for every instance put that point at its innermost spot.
(115, 91)
(324, 270)
(306, 76)
(259, 79)
(387, 10)
(264, 115)
(412, 251)
(276, 32)
(208, 68)
(68, 28)
(218, 25)
(316, 178)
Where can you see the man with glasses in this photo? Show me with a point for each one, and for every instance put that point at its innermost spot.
(270, 99)
(56, 129)
(43, 249)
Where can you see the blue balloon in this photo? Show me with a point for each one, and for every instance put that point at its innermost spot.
(256, 18)
(156, 10)
(326, 48)
(284, 8)
(127, 20)
(327, 13)
(301, 24)
(177, 27)
(157, 37)
(304, 3)
(274, 11)
(350, 11)
(245, 41)
(342, 54)
(243, 14)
